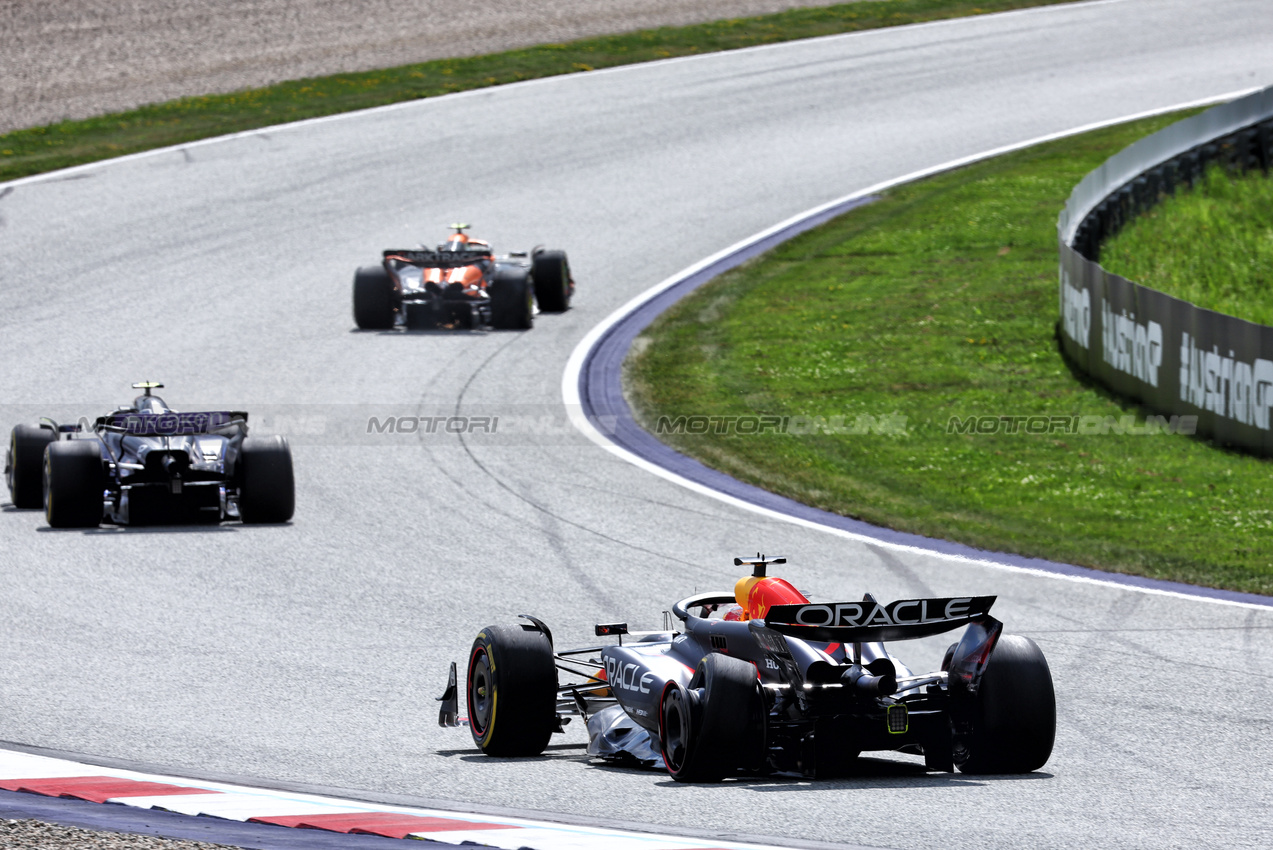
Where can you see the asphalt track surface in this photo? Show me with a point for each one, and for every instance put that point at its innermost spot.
(309, 654)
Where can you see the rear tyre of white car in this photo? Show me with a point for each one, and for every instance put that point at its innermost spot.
(267, 487)
(1014, 717)
(24, 464)
(74, 484)
(373, 298)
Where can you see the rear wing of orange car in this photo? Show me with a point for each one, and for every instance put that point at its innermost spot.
(427, 259)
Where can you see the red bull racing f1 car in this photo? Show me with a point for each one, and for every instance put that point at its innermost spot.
(462, 284)
(762, 680)
(146, 464)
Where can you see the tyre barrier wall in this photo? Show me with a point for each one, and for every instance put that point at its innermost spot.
(1171, 356)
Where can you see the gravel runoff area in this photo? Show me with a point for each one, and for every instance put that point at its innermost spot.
(34, 835)
(63, 59)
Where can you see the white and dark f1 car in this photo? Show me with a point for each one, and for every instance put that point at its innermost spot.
(147, 464)
(776, 685)
(461, 283)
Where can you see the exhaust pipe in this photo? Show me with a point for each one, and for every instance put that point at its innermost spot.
(175, 464)
(861, 680)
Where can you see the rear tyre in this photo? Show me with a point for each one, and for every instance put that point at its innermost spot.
(512, 691)
(512, 300)
(74, 484)
(267, 488)
(553, 286)
(24, 464)
(373, 298)
(716, 725)
(1014, 720)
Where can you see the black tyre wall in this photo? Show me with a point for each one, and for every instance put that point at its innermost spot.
(511, 689)
(24, 464)
(373, 298)
(267, 487)
(1015, 712)
(74, 484)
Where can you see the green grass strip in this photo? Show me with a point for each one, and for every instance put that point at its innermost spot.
(69, 143)
(940, 301)
(1211, 245)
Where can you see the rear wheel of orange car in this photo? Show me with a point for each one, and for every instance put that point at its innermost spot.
(553, 285)
(512, 691)
(512, 300)
(373, 298)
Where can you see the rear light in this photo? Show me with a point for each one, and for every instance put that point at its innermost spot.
(898, 719)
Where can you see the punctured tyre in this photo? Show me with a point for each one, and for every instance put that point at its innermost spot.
(74, 481)
(553, 286)
(373, 298)
(24, 464)
(715, 725)
(511, 691)
(512, 300)
(1014, 720)
(267, 487)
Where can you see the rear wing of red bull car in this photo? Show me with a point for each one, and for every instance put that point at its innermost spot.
(869, 621)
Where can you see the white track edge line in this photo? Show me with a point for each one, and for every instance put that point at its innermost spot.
(574, 366)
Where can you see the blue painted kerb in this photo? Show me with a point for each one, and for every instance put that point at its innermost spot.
(601, 393)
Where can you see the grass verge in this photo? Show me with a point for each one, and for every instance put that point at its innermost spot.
(1211, 245)
(69, 143)
(938, 303)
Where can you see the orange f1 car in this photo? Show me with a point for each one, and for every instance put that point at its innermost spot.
(463, 284)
